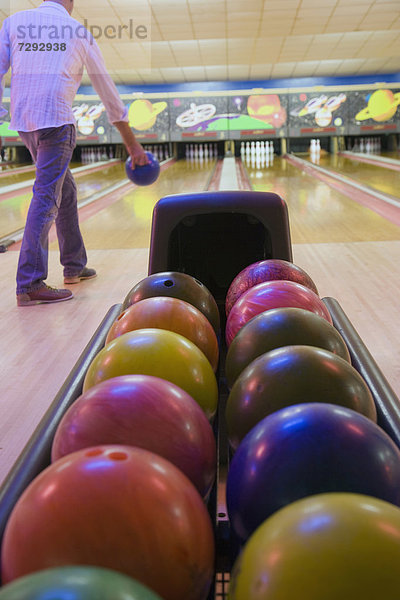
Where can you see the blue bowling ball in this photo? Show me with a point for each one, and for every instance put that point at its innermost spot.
(304, 450)
(143, 174)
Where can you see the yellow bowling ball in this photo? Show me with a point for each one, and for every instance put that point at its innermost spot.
(324, 547)
(161, 353)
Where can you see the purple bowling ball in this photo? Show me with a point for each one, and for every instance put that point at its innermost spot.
(308, 449)
(143, 174)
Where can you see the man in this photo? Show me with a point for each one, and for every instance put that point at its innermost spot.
(47, 50)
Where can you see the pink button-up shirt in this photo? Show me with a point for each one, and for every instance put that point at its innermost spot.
(47, 50)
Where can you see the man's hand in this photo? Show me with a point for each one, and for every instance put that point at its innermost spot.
(137, 154)
(134, 148)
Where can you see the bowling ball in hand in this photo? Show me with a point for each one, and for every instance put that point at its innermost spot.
(143, 174)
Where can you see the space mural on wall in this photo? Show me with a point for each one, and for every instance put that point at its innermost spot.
(91, 122)
(374, 110)
(149, 118)
(198, 117)
(213, 117)
(257, 114)
(322, 113)
(239, 114)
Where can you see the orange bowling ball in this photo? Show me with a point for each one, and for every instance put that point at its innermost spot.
(176, 285)
(172, 314)
(161, 353)
(115, 507)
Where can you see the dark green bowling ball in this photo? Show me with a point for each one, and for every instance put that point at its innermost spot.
(293, 375)
(76, 583)
(176, 285)
(280, 327)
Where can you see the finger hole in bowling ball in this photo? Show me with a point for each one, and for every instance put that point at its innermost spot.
(118, 456)
(168, 283)
(94, 452)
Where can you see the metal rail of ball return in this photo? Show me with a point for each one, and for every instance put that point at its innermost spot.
(211, 236)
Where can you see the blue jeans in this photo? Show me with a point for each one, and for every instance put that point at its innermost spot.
(54, 199)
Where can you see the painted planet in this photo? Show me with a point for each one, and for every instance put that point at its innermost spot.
(143, 114)
(86, 125)
(382, 106)
(323, 117)
(267, 108)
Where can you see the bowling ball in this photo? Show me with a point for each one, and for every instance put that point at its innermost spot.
(280, 327)
(142, 411)
(116, 507)
(76, 583)
(177, 285)
(293, 375)
(324, 547)
(143, 174)
(272, 294)
(266, 270)
(172, 314)
(161, 353)
(304, 450)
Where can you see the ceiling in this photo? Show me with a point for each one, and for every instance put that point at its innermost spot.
(202, 40)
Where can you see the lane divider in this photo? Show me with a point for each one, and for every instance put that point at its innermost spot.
(377, 161)
(16, 170)
(87, 208)
(383, 204)
(24, 187)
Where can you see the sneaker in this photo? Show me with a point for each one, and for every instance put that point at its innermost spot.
(43, 295)
(86, 273)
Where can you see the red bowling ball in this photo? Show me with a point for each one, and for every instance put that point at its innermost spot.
(272, 294)
(147, 412)
(119, 508)
(272, 269)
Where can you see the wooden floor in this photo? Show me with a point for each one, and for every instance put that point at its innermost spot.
(351, 253)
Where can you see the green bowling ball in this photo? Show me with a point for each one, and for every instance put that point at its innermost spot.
(293, 375)
(76, 583)
(281, 327)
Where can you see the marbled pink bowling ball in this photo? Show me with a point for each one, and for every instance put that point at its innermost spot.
(272, 294)
(265, 270)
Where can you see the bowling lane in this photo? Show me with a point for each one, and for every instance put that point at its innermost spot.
(13, 169)
(127, 222)
(317, 212)
(13, 210)
(378, 177)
